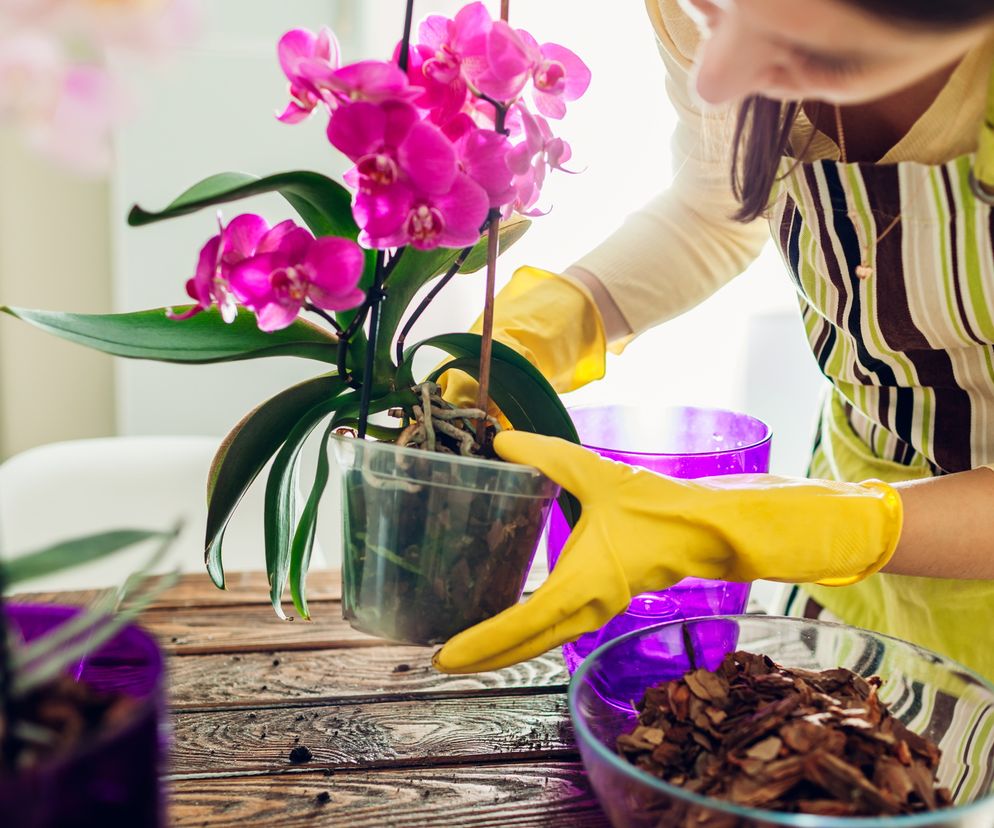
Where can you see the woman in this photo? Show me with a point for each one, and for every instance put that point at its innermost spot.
(853, 127)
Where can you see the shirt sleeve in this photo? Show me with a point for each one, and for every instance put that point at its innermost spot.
(683, 245)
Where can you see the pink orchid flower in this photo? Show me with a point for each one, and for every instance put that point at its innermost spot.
(389, 143)
(558, 75)
(300, 52)
(447, 52)
(243, 237)
(508, 63)
(399, 215)
(374, 81)
(533, 157)
(275, 284)
(483, 155)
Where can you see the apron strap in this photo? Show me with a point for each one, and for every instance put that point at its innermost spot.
(982, 177)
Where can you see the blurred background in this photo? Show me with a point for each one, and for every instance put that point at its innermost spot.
(209, 107)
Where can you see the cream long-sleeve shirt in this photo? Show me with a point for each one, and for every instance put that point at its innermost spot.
(683, 245)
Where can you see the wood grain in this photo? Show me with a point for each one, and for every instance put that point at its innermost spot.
(197, 590)
(528, 795)
(244, 629)
(289, 677)
(373, 735)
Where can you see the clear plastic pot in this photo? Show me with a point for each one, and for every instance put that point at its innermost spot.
(434, 543)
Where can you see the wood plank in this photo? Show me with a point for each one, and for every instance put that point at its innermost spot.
(288, 677)
(531, 795)
(373, 734)
(196, 589)
(245, 629)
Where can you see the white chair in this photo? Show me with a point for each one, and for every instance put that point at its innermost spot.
(62, 490)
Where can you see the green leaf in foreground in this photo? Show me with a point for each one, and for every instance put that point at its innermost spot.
(203, 338)
(74, 552)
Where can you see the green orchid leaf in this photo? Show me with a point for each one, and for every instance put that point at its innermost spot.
(323, 204)
(303, 537)
(247, 449)
(516, 386)
(510, 231)
(280, 499)
(203, 338)
(74, 552)
(418, 267)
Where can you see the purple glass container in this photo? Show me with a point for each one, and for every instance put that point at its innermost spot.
(113, 779)
(681, 442)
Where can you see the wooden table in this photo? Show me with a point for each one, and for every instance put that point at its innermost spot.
(392, 742)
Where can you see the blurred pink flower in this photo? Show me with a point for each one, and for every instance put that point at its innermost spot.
(297, 47)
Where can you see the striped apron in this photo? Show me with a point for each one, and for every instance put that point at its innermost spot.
(909, 351)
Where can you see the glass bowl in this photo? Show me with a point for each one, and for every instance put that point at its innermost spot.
(932, 695)
(678, 441)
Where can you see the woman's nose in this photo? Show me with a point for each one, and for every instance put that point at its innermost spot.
(731, 64)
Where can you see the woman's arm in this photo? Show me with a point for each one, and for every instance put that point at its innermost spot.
(948, 527)
(683, 245)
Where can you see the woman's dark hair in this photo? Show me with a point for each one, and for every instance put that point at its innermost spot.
(763, 126)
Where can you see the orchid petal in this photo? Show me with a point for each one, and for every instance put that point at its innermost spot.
(382, 212)
(293, 47)
(577, 72)
(242, 236)
(484, 156)
(552, 106)
(275, 316)
(464, 208)
(434, 31)
(429, 158)
(294, 113)
(506, 52)
(357, 129)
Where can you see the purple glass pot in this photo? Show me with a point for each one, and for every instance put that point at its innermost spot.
(114, 778)
(681, 442)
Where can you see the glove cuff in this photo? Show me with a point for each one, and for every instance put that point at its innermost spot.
(891, 525)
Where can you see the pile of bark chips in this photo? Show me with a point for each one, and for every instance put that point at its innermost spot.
(764, 736)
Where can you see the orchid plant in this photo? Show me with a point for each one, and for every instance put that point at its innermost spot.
(450, 144)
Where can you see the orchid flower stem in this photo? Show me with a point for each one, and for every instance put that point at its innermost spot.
(375, 295)
(372, 297)
(405, 44)
(420, 309)
(505, 9)
(486, 345)
(327, 317)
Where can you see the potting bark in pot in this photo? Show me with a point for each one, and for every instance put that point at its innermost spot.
(81, 702)
(450, 154)
(434, 541)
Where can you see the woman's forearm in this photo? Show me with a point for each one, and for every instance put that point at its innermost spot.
(948, 527)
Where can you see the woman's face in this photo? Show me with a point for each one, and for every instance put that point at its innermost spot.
(825, 50)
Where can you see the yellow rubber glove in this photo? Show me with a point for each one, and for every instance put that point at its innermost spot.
(641, 531)
(550, 321)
